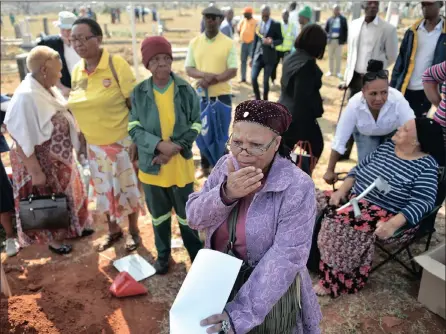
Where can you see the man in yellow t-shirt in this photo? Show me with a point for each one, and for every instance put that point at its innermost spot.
(212, 61)
(247, 31)
(164, 123)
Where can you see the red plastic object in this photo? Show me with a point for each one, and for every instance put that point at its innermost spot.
(125, 285)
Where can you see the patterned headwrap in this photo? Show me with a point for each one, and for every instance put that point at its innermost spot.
(274, 116)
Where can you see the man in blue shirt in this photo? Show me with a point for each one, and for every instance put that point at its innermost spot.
(226, 26)
(337, 32)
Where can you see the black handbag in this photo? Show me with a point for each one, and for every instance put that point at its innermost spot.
(44, 212)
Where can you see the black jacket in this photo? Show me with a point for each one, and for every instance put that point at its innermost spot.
(405, 63)
(55, 42)
(343, 34)
(269, 51)
(301, 82)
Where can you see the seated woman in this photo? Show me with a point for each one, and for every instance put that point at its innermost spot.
(371, 116)
(269, 206)
(409, 164)
(45, 135)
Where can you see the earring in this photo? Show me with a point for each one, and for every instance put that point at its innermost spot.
(44, 76)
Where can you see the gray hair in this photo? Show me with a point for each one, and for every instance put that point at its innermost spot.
(38, 56)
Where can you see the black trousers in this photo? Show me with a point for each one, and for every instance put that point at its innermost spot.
(355, 85)
(280, 56)
(418, 102)
(160, 202)
(257, 66)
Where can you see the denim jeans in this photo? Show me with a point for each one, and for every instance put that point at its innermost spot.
(245, 54)
(367, 144)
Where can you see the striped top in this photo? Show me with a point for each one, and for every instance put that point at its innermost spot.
(413, 182)
(437, 74)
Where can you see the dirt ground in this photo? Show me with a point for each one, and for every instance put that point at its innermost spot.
(70, 294)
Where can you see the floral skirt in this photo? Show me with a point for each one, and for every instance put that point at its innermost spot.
(56, 158)
(114, 179)
(347, 245)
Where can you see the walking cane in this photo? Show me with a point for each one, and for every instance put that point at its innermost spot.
(349, 145)
(342, 105)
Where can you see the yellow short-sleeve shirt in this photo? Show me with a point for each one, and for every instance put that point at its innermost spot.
(98, 102)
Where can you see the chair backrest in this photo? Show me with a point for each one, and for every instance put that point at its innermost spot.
(441, 191)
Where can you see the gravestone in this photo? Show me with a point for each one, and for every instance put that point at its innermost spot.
(106, 32)
(17, 30)
(21, 64)
(356, 11)
(45, 26)
(316, 15)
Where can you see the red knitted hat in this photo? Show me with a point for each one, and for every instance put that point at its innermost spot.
(153, 46)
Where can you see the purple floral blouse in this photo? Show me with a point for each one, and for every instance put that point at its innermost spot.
(279, 227)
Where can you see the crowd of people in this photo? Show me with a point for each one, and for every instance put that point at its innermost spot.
(80, 100)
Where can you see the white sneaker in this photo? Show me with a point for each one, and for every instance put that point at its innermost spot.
(328, 74)
(12, 247)
(340, 76)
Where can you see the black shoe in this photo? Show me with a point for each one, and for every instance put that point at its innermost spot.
(61, 250)
(87, 232)
(161, 267)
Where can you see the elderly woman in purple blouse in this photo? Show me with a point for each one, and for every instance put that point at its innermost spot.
(258, 206)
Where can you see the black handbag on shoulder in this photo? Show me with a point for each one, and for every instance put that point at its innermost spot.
(44, 212)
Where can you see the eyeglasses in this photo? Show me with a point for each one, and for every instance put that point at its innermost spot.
(211, 17)
(237, 147)
(370, 76)
(81, 39)
(156, 61)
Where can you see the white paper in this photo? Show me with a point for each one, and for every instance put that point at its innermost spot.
(177, 243)
(136, 266)
(204, 292)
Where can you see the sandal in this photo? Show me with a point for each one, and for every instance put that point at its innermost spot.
(133, 241)
(61, 250)
(108, 240)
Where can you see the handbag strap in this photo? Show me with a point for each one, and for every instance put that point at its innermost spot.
(115, 76)
(232, 222)
(306, 146)
(113, 70)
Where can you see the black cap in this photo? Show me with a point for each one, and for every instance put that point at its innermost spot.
(212, 10)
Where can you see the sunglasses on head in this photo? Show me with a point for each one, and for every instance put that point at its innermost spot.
(370, 76)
